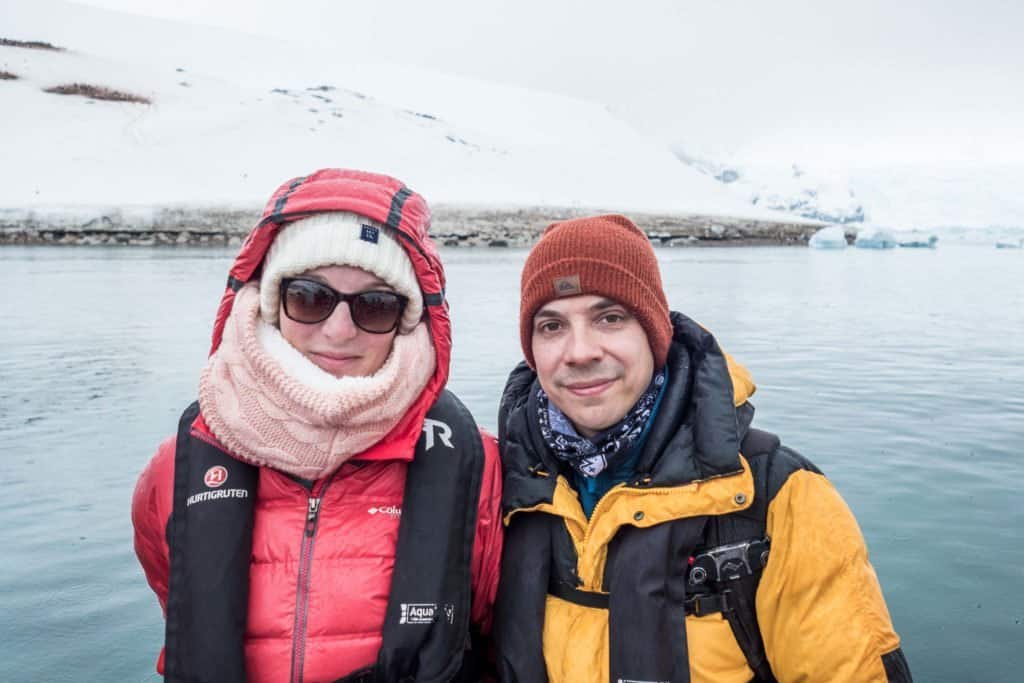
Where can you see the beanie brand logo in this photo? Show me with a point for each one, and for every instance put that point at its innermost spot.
(369, 233)
(568, 286)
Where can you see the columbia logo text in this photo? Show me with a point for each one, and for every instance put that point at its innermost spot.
(391, 510)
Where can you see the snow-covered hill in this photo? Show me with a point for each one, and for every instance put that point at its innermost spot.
(232, 115)
(946, 198)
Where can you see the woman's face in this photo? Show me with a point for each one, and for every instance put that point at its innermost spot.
(336, 345)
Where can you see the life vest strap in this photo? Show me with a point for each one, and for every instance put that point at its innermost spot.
(703, 604)
(564, 591)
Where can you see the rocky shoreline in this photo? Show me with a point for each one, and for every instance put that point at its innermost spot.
(453, 226)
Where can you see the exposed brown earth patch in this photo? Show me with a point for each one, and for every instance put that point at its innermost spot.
(97, 92)
(29, 44)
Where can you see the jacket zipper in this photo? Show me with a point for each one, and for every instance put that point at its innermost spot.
(313, 508)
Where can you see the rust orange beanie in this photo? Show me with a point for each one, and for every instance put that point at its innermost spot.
(601, 255)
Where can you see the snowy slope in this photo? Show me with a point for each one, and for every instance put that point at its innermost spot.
(947, 198)
(233, 115)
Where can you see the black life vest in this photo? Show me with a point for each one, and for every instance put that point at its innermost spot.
(646, 579)
(735, 596)
(732, 593)
(211, 545)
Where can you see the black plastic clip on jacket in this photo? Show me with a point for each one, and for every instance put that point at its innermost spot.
(728, 562)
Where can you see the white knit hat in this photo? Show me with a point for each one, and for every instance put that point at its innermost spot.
(339, 238)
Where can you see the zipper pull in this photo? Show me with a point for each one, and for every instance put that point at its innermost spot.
(311, 515)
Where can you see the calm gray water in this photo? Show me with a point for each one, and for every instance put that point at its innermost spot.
(899, 373)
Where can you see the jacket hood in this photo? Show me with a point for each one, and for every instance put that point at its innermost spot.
(696, 434)
(383, 199)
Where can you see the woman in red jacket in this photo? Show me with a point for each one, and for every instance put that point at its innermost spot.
(327, 510)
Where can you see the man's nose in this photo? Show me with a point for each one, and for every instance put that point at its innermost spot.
(582, 346)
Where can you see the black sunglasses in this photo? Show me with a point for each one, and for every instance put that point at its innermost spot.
(311, 302)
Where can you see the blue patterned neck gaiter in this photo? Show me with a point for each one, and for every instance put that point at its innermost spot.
(591, 456)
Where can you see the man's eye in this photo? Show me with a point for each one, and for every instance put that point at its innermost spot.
(549, 326)
(613, 318)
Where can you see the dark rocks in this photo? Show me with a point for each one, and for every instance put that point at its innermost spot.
(453, 226)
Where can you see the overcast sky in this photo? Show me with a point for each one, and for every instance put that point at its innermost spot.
(856, 83)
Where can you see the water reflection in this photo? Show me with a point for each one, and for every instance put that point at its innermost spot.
(897, 373)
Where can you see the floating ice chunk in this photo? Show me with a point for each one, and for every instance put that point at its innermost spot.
(832, 237)
(875, 238)
(917, 239)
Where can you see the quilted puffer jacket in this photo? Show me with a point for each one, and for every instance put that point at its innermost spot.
(343, 577)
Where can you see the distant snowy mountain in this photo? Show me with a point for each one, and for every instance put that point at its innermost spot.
(231, 115)
(823, 198)
(789, 191)
(952, 200)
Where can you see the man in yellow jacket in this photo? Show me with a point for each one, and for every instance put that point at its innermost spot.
(652, 534)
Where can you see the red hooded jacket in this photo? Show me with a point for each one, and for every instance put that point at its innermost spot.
(360, 507)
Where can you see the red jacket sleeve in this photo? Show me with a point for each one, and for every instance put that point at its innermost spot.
(489, 530)
(151, 508)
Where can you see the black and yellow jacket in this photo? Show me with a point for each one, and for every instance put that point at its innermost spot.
(598, 600)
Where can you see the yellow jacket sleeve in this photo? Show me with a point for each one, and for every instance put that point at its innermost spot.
(819, 604)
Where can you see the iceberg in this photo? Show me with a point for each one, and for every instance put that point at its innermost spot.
(832, 237)
(875, 238)
(916, 239)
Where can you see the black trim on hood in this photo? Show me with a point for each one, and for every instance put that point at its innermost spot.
(393, 222)
(397, 202)
(279, 205)
(429, 298)
(234, 284)
(281, 218)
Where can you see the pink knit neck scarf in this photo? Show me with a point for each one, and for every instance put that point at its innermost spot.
(271, 406)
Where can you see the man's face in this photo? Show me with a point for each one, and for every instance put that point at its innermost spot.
(592, 359)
